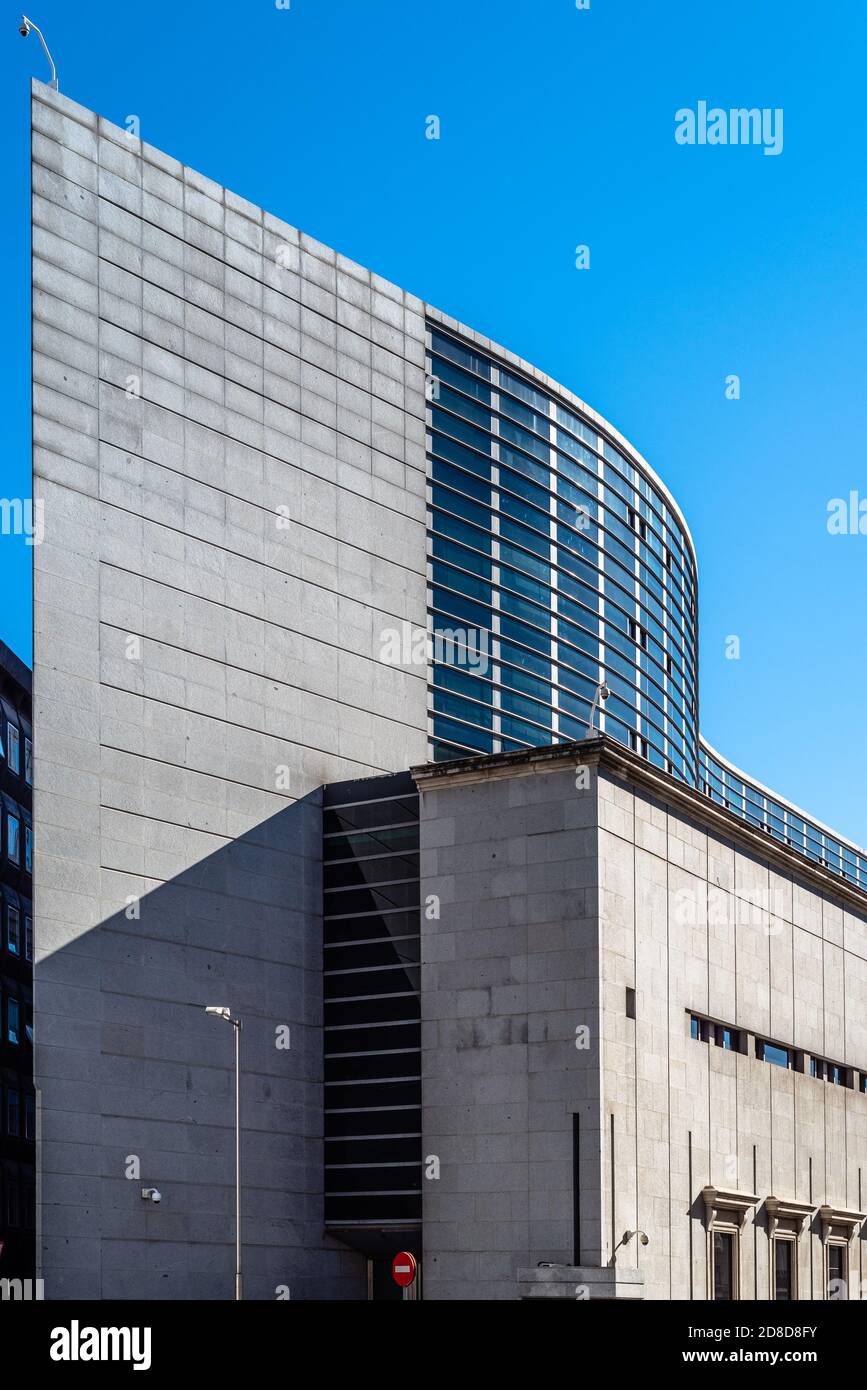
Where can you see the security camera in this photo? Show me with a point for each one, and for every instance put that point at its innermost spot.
(24, 28)
(604, 692)
(645, 1240)
(151, 1194)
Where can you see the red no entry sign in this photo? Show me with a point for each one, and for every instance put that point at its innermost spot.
(403, 1268)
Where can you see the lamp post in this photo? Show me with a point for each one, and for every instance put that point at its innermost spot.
(221, 1011)
(27, 27)
(599, 698)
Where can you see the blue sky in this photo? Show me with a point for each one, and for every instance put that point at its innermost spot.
(557, 128)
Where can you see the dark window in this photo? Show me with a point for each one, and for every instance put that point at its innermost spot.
(13, 1114)
(460, 429)
(698, 1028)
(771, 1052)
(28, 938)
(443, 371)
(14, 747)
(521, 388)
(456, 352)
(630, 1002)
(723, 1266)
(13, 931)
(29, 1117)
(513, 703)
(817, 1068)
(452, 401)
(460, 481)
(28, 849)
(13, 1021)
(784, 1270)
(728, 1038)
(837, 1271)
(28, 761)
(13, 838)
(525, 416)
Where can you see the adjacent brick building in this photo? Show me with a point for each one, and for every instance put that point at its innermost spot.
(17, 1099)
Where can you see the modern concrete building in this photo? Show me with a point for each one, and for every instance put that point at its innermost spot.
(639, 1015)
(228, 426)
(304, 533)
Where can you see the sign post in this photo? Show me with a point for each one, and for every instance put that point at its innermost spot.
(404, 1268)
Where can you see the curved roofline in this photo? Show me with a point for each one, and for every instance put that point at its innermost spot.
(549, 384)
(775, 796)
(556, 389)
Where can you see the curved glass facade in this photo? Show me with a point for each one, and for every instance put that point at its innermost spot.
(557, 560)
(560, 560)
(729, 787)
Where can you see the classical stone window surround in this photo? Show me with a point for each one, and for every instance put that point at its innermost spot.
(839, 1228)
(725, 1212)
(785, 1221)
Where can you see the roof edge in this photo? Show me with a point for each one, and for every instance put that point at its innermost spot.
(555, 387)
(605, 753)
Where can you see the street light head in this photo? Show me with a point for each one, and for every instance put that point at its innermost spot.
(643, 1237)
(600, 695)
(218, 1011)
(28, 27)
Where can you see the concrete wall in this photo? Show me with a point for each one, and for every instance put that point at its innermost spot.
(553, 902)
(510, 969)
(697, 922)
(228, 427)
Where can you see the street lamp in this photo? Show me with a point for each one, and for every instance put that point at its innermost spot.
(626, 1238)
(27, 27)
(221, 1011)
(599, 698)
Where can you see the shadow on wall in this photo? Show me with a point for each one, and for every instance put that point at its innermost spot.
(137, 1082)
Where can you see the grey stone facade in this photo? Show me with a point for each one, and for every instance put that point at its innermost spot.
(510, 968)
(702, 921)
(554, 901)
(228, 424)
